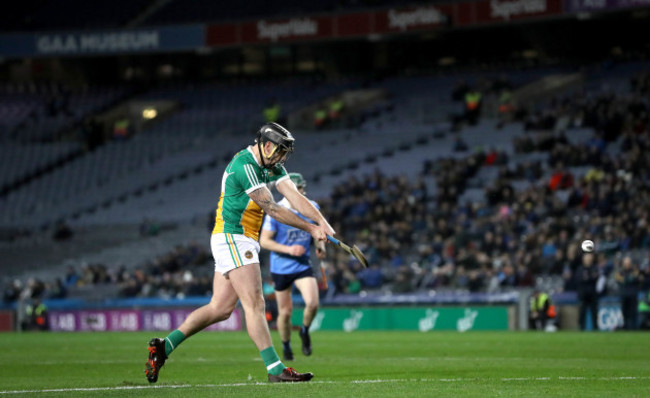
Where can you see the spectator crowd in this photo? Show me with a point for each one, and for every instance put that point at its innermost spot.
(525, 233)
(515, 237)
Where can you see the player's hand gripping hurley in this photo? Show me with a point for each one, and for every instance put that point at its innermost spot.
(354, 250)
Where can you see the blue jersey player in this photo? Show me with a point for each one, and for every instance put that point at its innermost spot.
(290, 266)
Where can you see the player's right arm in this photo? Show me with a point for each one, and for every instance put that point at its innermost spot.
(264, 199)
(299, 202)
(267, 242)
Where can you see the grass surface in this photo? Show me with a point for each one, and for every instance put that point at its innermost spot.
(359, 364)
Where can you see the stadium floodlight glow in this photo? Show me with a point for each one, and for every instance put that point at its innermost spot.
(149, 113)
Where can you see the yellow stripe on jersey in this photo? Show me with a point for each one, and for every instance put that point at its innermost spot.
(218, 222)
(252, 220)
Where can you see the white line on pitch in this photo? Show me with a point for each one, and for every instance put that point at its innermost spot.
(180, 386)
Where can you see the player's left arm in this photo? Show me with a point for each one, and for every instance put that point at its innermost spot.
(299, 202)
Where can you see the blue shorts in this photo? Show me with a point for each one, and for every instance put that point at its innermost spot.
(284, 281)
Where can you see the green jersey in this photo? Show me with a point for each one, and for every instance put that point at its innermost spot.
(236, 212)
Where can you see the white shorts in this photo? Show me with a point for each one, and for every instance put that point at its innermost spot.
(232, 251)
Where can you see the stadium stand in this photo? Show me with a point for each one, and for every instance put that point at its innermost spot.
(392, 146)
(37, 113)
(20, 161)
(439, 201)
(157, 156)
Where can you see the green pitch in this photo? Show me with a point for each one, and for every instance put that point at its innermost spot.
(357, 364)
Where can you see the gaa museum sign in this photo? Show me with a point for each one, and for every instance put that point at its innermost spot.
(105, 42)
(97, 42)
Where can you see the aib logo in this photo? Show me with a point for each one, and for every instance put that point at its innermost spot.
(429, 321)
(352, 323)
(467, 322)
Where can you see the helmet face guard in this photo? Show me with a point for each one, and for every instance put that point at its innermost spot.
(279, 136)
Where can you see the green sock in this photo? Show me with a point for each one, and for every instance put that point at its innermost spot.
(272, 361)
(173, 340)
